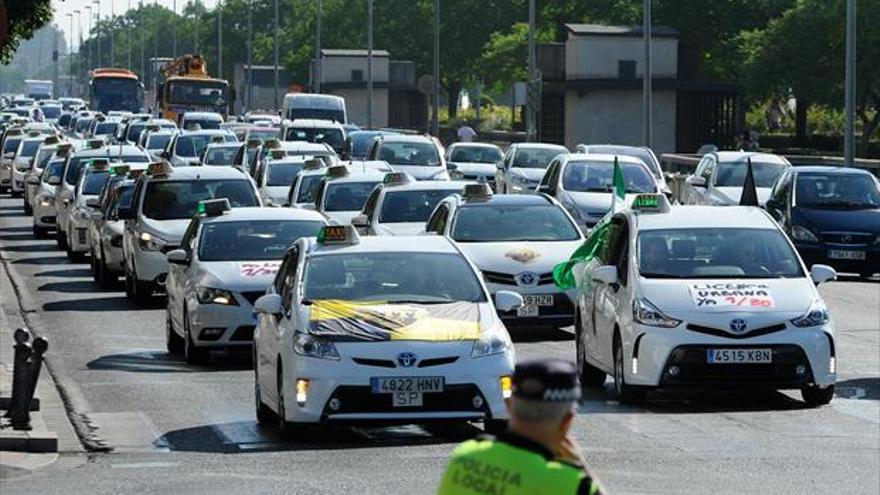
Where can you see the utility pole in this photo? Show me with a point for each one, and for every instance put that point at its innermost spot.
(220, 39)
(153, 75)
(435, 118)
(318, 61)
(55, 61)
(97, 5)
(112, 34)
(141, 21)
(174, 29)
(128, 29)
(369, 64)
(530, 90)
(849, 132)
(275, 41)
(250, 56)
(79, 29)
(70, 57)
(647, 76)
(196, 28)
(90, 19)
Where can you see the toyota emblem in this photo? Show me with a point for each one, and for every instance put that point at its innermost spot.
(846, 238)
(738, 325)
(406, 360)
(527, 278)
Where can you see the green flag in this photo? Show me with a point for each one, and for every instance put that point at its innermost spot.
(562, 275)
(619, 185)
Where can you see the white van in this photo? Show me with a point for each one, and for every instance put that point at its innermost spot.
(315, 106)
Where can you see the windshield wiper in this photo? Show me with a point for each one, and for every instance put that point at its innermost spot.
(843, 202)
(659, 275)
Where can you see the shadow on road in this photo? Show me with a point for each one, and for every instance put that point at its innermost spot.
(690, 401)
(538, 334)
(78, 286)
(118, 303)
(249, 436)
(12, 208)
(858, 388)
(11, 214)
(31, 248)
(160, 361)
(17, 237)
(71, 273)
(46, 260)
(16, 229)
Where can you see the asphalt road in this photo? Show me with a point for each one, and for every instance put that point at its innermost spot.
(175, 428)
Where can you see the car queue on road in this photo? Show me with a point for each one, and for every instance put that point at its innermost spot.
(371, 287)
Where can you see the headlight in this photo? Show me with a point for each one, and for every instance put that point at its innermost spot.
(149, 242)
(815, 316)
(799, 233)
(491, 344)
(208, 295)
(646, 313)
(307, 345)
(47, 201)
(520, 180)
(83, 214)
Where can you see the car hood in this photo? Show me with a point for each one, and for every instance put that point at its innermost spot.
(517, 257)
(359, 321)
(238, 276)
(278, 194)
(170, 230)
(418, 171)
(402, 228)
(533, 174)
(842, 220)
(474, 168)
(704, 301)
(731, 195)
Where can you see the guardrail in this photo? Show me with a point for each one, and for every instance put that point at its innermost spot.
(686, 163)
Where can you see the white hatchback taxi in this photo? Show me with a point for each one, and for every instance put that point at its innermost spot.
(672, 298)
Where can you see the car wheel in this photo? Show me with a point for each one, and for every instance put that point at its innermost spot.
(75, 257)
(589, 375)
(629, 395)
(494, 426)
(129, 291)
(286, 428)
(263, 413)
(192, 353)
(141, 292)
(866, 275)
(816, 396)
(108, 278)
(173, 342)
(97, 276)
(27, 208)
(61, 239)
(40, 232)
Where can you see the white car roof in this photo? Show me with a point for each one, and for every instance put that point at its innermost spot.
(312, 123)
(473, 145)
(427, 185)
(396, 244)
(703, 217)
(304, 146)
(574, 157)
(207, 132)
(203, 115)
(743, 156)
(539, 145)
(111, 151)
(256, 213)
(210, 173)
(357, 176)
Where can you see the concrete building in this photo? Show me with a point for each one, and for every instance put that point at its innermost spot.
(263, 97)
(344, 73)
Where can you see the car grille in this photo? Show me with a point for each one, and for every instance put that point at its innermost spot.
(168, 248)
(357, 399)
(509, 279)
(730, 335)
(252, 296)
(848, 238)
(694, 370)
(243, 333)
(562, 307)
(387, 363)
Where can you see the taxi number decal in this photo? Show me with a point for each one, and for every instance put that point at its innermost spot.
(754, 296)
(258, 269)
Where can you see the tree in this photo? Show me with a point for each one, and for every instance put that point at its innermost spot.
(19, 21)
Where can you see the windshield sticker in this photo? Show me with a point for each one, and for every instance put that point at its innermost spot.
(731, 295)
(258, 269)
(523, 255)
(379, 321)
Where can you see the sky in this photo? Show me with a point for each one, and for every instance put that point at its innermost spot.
(62, 7)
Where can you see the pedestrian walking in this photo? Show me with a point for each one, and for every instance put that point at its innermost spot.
(466, 133)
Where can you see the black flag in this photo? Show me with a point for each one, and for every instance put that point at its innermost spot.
(749, 196)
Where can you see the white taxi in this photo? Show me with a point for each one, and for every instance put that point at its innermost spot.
(43, 205)
(105, 228)
(380, 329)
(344, 191)
(227, 259)
(672, 298)
(91, 180)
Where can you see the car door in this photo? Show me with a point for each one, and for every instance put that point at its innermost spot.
(437, 223)
(286, 321)
(175, 283)
(779, 203)
(607, 298)
(369, 211)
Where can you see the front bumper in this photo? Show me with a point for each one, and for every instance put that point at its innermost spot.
(78, 241)
(44, 214)
(818, 253)
(472, 389)
(221, 326)
(678, 358)
(18, 179)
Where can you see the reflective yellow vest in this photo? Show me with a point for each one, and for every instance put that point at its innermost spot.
(494, 467)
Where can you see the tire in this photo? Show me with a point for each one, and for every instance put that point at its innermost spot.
(40, 232)
(193, 354)
(286, 428)
(628, 395)
(97, 276)
(494, 426)
(815, 396)
(129, 290)
(263, 413)
(589, 375)
(61, 239)
(75, 257)
(866, 276)
(27, 208)
(173, 342)
(108, 278)
(138, 292)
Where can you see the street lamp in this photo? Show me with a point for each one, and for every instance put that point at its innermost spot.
(97, 5)
(647, 90)
(70, 57)
(369, 64)
(89, 18)
(318, 61)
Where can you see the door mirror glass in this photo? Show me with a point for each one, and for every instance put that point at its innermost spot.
(607, 274)
(54, 180)
(697, 181)
(93, 203)
(270, 304)
(360, 221)
(177, 257)
(125, 213)
(506, 300)
(822, 273)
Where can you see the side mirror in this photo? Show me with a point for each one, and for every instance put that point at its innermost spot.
(33, 180)
(166, 155)
(93, 203)
(607, 274)
(97, 216)
(451, 166)
(269, 304)
(308, 206)
(177, 257)
(360, 221)
(500, 165)
(546, 189)
(697, 181)
(506, 300)
(125, 213)
(822, 273)
(54, 180)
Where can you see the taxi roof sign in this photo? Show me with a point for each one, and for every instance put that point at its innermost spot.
(476, 191)
(213, 207)
(63, 149)
(394, 178)
(651, 203)
(314, 164)
(53, 139)
(337, 171)
(34, 133)
(99, 164)
(254, 142)
(272, 144)
(277, 154)
(122, 169)
(338, 234)
(217, 139)
(158, 169)
(94, 144)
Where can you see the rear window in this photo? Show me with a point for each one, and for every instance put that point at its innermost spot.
(331, 136)
(220, 155)
(195, 145)
(505, 223)
(77, 162)
(11, 144)
(536, 157)
(348, 196)
(51, 112)
(283, 174)
(94, 182)
(411, 206)
(106, 128)
(476, 154)
(174, 200)
(307, 188)
(414, 153)
(158, 141)
(29, 148)
(203, 124)
(253, 241)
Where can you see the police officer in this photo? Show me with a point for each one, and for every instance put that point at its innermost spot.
(534, 455)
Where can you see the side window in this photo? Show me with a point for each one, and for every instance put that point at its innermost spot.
(278, 283)
(437, 222)
(706, 173)
(136, 195)
(288, 285)
(783, 188)
(619, 252)
(370, 205)
(551, 173)
(188, 243)
(319, 194)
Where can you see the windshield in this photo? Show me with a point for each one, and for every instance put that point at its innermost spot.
(317, 114)
(733, 174)
(112, 93)
(158, 141)
(392, 277)
(54, 169)
(642, 154)
(194, 145)
(252, 241)
(207, 124)
(11, 144)
(716, 253)
(105, 128)
(43, 157)
(29, 148)
(174, 200)
(411, 206)
(503, 223)
(77, 162)
(348, 196)
(134, 132)
(360, 143)
(535, 157)
(121, 197)
(476, 154)
(264, 134)
(82, 124)
(51, 112)
(307, 188)
(584, 176)
(283, 174)
(331, 136)
(208, 93)
(410, 153)
(816, 190)
(220, 155)
(93, 182)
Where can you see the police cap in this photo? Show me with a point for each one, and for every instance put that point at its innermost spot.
(547, 380)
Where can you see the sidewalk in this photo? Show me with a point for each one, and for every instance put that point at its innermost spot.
(52, 435)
